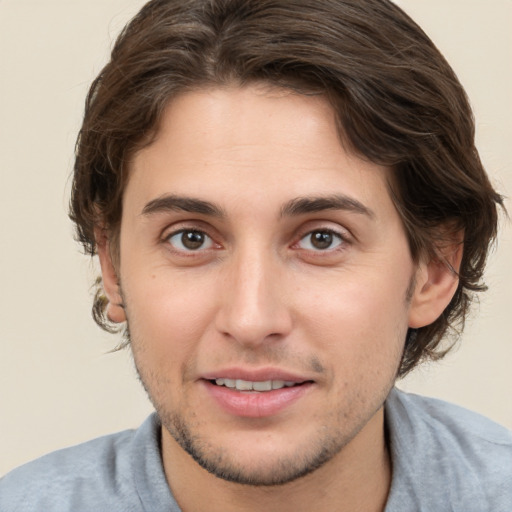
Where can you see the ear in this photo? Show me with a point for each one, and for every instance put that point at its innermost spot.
(435, 284)
(115, 308)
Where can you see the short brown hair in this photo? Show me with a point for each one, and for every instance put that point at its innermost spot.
(398, 103)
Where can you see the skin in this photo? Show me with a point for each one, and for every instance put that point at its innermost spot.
(324, 295)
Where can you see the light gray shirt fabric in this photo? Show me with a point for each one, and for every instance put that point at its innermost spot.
(445, 459)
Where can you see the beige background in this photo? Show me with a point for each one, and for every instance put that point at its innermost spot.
(58, 383)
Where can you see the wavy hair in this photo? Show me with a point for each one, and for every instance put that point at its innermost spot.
(397, 102)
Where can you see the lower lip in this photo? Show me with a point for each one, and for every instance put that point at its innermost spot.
(254, 404)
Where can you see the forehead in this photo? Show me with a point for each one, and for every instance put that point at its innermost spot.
(244, 141)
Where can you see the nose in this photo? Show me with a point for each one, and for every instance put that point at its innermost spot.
(254, 308)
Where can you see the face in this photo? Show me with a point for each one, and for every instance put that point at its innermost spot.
(265, 276)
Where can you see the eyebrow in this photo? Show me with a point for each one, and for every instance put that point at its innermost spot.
(295, 207)
(303, 205)
(175, 203)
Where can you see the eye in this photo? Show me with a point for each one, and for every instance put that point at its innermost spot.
(321, 240)
(187, 240)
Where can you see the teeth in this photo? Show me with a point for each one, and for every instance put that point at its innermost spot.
(262, 386)
(246, 385)
(277, 384)
(243, 385)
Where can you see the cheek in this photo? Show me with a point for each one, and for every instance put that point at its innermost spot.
(367, 298)
(361, 320)
(169, 313)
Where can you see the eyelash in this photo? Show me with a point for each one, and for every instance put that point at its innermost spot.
(189, 231)
(339, 239)
(335, 235)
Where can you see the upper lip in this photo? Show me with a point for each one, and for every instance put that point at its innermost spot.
(255, 375)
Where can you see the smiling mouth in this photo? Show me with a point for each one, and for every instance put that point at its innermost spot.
(247, 385)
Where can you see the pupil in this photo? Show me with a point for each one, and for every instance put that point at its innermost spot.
(192, 239)
(321, 239)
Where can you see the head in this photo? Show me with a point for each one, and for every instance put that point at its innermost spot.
(283, 190)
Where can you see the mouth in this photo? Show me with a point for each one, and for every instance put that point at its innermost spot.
(256, 392)
(255, 386)
(256, 398)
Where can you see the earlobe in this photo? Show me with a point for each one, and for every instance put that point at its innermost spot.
(435, 285)
(115, 308)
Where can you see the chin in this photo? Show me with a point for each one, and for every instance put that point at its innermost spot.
(278, 463)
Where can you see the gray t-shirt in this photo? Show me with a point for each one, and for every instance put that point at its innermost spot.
(445, 458)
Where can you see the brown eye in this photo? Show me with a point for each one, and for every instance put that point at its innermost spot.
(321, 240)
(190, 240)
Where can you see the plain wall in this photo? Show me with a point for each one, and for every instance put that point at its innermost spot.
(59, 383)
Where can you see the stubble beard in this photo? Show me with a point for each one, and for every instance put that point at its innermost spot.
(218, 462)
(278, 472)
(282, 471)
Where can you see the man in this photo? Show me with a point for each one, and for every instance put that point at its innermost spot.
(290, 213)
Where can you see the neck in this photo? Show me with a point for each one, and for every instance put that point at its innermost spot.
(357, 478)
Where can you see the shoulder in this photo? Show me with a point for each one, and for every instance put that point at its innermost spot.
(434, 442)
(88, 476)
(444, 417)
